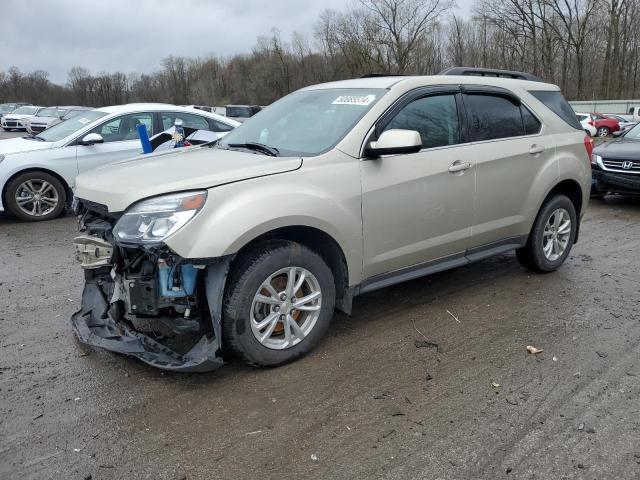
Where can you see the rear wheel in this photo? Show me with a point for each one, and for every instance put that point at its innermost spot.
(551, 237)
(278, 305)
(603, 131)
(35, 196)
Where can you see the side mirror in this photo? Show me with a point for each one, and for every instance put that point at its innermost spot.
(394, 142)
(91, 139)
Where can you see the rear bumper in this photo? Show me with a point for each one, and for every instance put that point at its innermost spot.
(94, 325)
(616, 182)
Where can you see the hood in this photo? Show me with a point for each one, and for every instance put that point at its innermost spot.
(42, 120)
(120, 184)
(18, 145)
(623, 149)
(13, 116)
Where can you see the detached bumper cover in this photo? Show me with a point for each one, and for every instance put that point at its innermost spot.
(94, 326)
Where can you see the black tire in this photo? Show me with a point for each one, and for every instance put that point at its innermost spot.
(532, 256)
(248, 273)
(36, 177)
(6, 129)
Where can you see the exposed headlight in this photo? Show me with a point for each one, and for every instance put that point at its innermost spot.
(152, 221)
(595, 159)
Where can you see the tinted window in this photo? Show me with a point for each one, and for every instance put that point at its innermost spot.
(492, 117)
(531, 124)
(555, 102)
(220, 127)
(125, 127)
(434, 117)
(189, 120)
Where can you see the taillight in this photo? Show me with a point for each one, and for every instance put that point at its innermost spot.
(588, 145)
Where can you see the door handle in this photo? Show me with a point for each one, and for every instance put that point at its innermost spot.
(457, 166)
(536, 149)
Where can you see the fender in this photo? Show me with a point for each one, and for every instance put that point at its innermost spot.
(237, 213)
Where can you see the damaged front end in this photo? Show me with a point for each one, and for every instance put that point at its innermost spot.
(145, 301)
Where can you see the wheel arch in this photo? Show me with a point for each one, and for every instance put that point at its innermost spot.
(320, 242)
(67, 189)
(572, 189)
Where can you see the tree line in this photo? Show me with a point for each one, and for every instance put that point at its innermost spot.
(590, 48)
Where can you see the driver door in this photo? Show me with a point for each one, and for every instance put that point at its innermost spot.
(418, 207)
(121, 141)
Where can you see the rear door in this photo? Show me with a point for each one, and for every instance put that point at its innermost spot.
(511, 148)
(418, 207)
(121, 141)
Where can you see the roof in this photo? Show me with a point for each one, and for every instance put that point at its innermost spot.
(393, 81)
(135, 107)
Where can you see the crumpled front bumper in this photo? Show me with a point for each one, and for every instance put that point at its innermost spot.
(94, 326)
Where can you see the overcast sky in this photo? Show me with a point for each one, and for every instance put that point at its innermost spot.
(134, 35)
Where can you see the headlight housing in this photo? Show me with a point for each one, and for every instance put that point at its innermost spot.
(595, 159)
(151, 221)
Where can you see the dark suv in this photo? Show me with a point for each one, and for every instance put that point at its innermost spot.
(616, 165)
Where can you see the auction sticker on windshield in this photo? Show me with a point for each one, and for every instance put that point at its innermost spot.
(84, 121)
(354, 100)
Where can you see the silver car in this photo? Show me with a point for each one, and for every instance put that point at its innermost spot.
(245, 248)
(50, 116)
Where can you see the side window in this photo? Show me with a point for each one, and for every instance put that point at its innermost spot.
(189, 120)
(220, 127)
(492, 117)
(434, 117)
(124, 127)
(531, 124)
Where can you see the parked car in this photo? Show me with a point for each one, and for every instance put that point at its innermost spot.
(623, 123)
(241, 112)
(17, 120)
(604, 125)
(246, 247)
(587, 125)
(49, 116)
(616, 165)
(37, 173)
(10, 107)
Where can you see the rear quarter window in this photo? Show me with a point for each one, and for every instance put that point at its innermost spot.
(556, 102)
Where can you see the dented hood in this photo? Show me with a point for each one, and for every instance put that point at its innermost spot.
(121, 184)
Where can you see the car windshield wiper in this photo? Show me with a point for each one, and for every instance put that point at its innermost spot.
(261, 147)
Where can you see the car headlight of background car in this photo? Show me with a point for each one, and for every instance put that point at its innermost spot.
(595, 159)
(151, 221)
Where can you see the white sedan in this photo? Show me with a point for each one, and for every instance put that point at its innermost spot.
(37, 174)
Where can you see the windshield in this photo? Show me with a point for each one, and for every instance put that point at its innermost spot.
(634, 133)
(242, 112)
(25, 111)
(71, 126)
(73, 113)
(306, 123)
(48, 112)
(7, 107)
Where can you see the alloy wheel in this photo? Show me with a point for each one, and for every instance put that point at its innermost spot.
(556, 234)
(36, 197)
(285, 308)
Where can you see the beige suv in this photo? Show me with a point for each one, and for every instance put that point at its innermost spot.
(244, 248)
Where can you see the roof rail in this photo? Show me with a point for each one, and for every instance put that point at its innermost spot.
(374, 75)
(490, 72)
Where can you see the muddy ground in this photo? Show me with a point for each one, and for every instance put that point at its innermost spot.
(369, 402)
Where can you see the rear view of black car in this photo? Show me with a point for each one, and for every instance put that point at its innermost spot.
(616, 165)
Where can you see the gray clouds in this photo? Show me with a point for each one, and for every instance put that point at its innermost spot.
(134, 35)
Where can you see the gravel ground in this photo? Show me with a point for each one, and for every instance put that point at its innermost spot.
(374, 400)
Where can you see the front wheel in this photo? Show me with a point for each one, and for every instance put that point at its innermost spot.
(35, 196)
(278, 305)
(551, 237)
